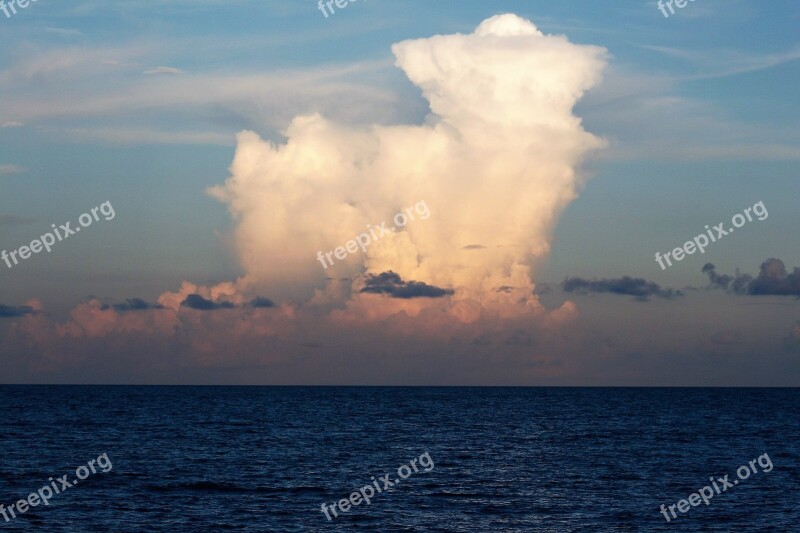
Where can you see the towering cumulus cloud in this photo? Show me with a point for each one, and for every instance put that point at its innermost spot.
(493, 166)
(496, 163)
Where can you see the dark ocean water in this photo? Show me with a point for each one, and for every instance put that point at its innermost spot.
(504, 459)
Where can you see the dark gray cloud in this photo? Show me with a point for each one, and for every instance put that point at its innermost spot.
(544, 288)
(772, 279)
(132, 304)
(519, 338)
(482, 340)
(737, 283)
(261, 302)
(640, 288)
(15, 312)
(473, 247)
(197, 302)
(393, 285)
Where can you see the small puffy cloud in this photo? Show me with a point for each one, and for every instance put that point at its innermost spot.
(261, 303)
(197, 302)
(627, 286)
(717, 281)
(227, 292)
(772, 279)
(132, 304)
(7, 311)
(393, 285)
(224, 301)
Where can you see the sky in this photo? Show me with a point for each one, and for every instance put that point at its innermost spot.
(541, 154)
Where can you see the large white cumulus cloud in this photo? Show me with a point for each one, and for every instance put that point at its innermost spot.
(496, 163)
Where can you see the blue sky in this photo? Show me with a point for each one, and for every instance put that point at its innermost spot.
(139, 103)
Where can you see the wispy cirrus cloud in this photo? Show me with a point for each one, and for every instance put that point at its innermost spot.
(152, 135)
(647, 115)
(6, 170)
(716, 63)
(69, 90)
(64, 32)
(163, 70)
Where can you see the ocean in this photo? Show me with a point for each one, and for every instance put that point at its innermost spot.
(465, 459)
